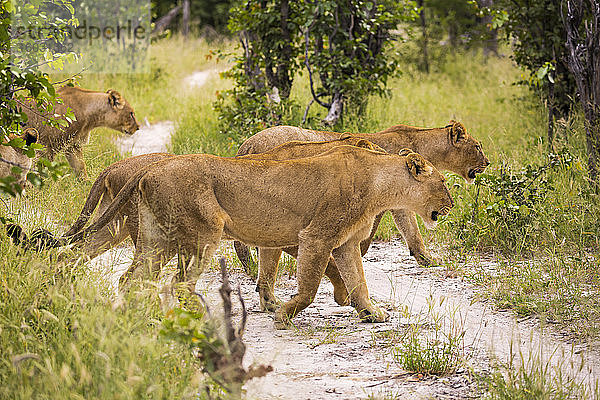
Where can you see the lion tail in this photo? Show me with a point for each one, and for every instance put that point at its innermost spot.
(40, 238)
(115, 206)
(96, 192)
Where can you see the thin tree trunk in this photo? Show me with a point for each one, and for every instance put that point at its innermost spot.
(584, 63)
(335, 110)
(185, 28)
(420, 4)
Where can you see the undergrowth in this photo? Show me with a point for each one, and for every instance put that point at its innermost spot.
(531, 377)
(61, 338)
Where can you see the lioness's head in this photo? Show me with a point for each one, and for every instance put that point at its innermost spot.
(433, 196)
(464, 155)
(122, 116)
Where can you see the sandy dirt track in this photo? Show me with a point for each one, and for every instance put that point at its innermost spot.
(331, 355)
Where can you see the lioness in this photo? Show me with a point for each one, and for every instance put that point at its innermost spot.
(324, 204)
(125, 224)
(92, 110)
(15, 157)
(448, 148)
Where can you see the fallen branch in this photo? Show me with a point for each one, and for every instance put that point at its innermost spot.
(164, 21)
(229, 366)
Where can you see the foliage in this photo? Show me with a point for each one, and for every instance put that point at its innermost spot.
(535, 379)
(203, 13)
(349, 46)
(510, 209)
(432, 345)
(458, 18)
(264, 72)
(560, 289)
(538, 37)
(346, 45)
(22, 79)
(428, 356)
(195, 331)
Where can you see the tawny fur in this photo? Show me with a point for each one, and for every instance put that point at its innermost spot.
(112, 179)
(16, 157)
(92, 110)
(323, 204)
(449, 148)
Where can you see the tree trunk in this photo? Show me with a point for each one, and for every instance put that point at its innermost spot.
(278, 75)
(420, 4)
(335, 110)
(584, 63)
(185, 23)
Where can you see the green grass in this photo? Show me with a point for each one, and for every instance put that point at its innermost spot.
(529, 377)
(558, 231)
(431, 343)
(61, 338)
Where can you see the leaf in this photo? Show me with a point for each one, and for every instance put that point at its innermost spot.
(542, 71)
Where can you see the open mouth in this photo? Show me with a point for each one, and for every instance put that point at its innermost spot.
(474, 171)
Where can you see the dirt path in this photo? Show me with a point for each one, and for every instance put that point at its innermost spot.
(153, 138)
(331, 355)
(156, 138)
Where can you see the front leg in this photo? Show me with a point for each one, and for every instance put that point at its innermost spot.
(340, 294)
(312, 259)
(406, 222)
(349, 262)
(75, 158)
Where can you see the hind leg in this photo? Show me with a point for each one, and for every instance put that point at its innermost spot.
(153, 248)
(268, 261)
(106, 238)
(197, 253)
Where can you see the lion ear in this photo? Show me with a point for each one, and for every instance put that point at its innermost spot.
(30, 135)
(404, 152)
(365, 144)
(457, 132)
(345, 136)
(419, 168)
(115, 100)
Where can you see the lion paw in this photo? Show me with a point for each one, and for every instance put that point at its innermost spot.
(269, 305)
(376, 315)
(423, 258)
(282, 321)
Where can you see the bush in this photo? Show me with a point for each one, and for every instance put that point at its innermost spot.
(521, 210)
